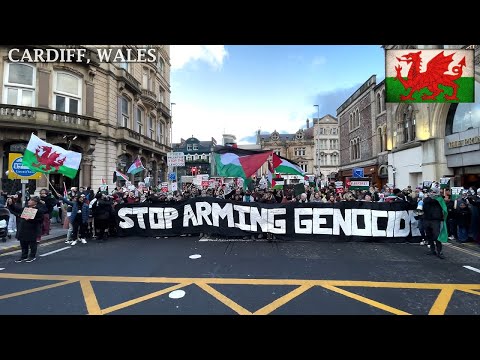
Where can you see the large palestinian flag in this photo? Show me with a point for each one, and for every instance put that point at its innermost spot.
(285, 166)
(418, 76)
(235, 162)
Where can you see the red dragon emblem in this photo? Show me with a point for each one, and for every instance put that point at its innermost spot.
(432, 77)
(50, 161)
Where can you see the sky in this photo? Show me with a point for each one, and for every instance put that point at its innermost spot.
(240, 89)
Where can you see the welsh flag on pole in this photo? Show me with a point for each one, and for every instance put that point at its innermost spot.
(235, 162)
(438, 76)
(41, 156)
(285, 166)
(136, 167)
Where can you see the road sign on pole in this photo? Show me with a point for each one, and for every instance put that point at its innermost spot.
(357, 173)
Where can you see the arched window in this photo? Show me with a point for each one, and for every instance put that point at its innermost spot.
(350, 122)
(379, 103)
(384, 100)
(464, 116)
(67, 93)
(124, 112)
(351, 150)
(19, 84)
(384, 137)
(380, 139)
(334, 158)
(358, 118)
(140, 115)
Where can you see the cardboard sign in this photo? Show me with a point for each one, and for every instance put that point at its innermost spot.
(29, 213)
(444, 183)
(456, 192)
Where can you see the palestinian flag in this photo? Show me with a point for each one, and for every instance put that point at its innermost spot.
(235, 162)
(117, 175)
(284, 166)
(439, 76)
(41, 156)
(270, 173)
(136, 167)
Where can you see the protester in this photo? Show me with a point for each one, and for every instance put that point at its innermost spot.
(29, 231)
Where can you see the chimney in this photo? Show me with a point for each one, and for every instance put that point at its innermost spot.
(308, 123)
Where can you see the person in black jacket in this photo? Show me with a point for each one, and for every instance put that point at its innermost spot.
(432, 222)
(102, 211)
(29, 231)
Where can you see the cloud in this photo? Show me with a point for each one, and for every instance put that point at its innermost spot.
(181, 55)
(330, 101)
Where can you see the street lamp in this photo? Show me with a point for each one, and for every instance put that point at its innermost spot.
(171, 123)
(317, 147)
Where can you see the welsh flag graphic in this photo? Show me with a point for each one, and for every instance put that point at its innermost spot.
(418, 76)
(235, 162)
(41, 156)
(285, 166)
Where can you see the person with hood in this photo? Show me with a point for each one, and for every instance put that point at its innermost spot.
(30, 230)
(434, 221)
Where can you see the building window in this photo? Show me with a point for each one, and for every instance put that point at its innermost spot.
(380, 139)
(277, 152)
(464, 116)
(350, 122)
(379, 104)
(188, 158)
(333, 144)
(358, 119)
(125, 113)
(195, 146)
(334, 159)
(139, 122)
(151, 127)
(189, 147)
(124, 65)
(204, 157)
(300, 151)
(19, 85)
(161, 66)
(355, 149)
(67, 93)
(323, 158)
(161, 95)
(304, 167)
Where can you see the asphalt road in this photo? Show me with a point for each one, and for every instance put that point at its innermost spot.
(144, 275)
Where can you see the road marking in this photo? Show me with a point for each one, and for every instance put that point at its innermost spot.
(55, 251)
(142, 298)
(29, 291)
(466, 251)
(224, 299)
(366, 300)
(2, 269)
(442, 301)
(471, 268)
(282, 300)
(90, 298)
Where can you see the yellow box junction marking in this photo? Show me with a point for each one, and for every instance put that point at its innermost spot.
(93, 308)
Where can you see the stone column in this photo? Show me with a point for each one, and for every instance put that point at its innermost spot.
(87, 162)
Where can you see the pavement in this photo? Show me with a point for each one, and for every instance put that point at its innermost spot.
(56, 232)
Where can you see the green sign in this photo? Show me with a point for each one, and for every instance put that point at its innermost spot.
(444, 183)
(456, 192)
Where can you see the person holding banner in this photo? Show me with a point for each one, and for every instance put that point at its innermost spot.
(30, 229)
(434, 215)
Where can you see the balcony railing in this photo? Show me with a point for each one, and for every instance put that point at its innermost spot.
(24, 116)
(149, 97)
(164, 109)
(132, 83)
(139, 140)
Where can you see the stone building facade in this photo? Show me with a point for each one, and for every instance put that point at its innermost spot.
(327, 147)
(360, 117)
(110, 112)
(298, 147)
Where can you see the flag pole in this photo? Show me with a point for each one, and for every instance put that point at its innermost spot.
(46, 177)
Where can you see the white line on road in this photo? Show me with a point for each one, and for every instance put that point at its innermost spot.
(471, 268)
(55, 251)
(2, 269)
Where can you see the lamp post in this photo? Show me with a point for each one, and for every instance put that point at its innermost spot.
(317, 147)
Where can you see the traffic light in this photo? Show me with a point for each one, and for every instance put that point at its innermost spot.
(194, 170)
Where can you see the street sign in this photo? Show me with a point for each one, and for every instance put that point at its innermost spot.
(172, 176)
(357, 173)
(175, 159)
(359, 185)
(17, 171)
